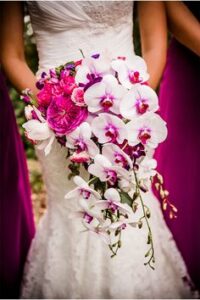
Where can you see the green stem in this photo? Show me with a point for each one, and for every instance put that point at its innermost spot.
(150, 236)
(91, 180)
(82, 53)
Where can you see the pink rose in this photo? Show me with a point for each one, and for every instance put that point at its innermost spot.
(45, 95)
(64, 116)
(78, 96)
(67, 82)
(49, 90)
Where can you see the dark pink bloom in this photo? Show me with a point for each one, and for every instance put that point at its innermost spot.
(67, 82)
(45, 95)
(64, 116)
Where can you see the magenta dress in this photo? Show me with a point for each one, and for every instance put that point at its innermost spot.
(16, 218)
(179, 156)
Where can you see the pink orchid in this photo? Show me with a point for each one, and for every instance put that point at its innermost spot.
(90, 216)
(105, 95)
(149, 129)
(82, 190)
(116, 155)
(137, 101)
(109, 128)
(91, 69)
(132, 72)
(113, 202)
(80, 140)
(105, 171)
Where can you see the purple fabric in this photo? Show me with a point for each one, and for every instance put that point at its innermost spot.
(179, 156)
(16, 218)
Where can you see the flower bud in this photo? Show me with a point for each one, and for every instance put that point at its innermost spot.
(28, 112)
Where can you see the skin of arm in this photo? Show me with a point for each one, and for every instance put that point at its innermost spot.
(183, 25)
(12, 48)
(153, 33)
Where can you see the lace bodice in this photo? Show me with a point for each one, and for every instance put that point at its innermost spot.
(63, 27)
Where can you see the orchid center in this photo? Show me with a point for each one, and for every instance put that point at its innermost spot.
(85, 193)
(88, 218)
(111, 176)
(107, 102)
(141, 106)
(111, 131)
(120, 159)
(144, 135)
(112, 206)
(134, 76)
(80, 145)
(123, 226)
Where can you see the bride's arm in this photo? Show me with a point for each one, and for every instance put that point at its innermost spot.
(153, 33)
(12, 48)
(184, 26)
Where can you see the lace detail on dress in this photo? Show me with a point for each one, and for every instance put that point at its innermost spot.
(108, 13)
(63, 27)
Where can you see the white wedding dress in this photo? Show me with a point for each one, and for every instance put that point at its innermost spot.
(64, 262)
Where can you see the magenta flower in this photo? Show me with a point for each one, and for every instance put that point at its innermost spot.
(45, 95)
(67, 83)
(63, 116)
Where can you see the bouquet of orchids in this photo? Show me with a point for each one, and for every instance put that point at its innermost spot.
(103, 111)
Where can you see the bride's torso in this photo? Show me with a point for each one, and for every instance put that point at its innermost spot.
(61, 28)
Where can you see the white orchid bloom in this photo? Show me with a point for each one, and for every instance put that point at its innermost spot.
(83, 190)
(105, 95)
(90, 216)
(92, 68)
(109, 128)
(124, 221)
(105, 171)
(149, 129)
(128, 183)
(116, 155)
(147, 168)
(40, 132)
(28, 112)
(113, 202)
(137, 101)
(99, 231)
(80, 139)
(132, 72)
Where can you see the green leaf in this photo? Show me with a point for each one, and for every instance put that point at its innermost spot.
(125, 198)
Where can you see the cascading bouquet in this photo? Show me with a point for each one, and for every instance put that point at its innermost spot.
(103, 111)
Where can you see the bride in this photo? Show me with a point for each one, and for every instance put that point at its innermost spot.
(64, 262)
